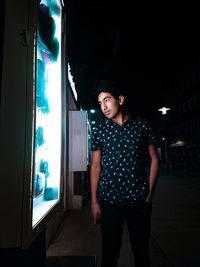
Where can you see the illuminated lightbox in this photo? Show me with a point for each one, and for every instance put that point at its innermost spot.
(47, 108)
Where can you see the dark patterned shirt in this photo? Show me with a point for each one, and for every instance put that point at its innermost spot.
(124, 159)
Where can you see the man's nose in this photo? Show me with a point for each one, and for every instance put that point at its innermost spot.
(103, 106)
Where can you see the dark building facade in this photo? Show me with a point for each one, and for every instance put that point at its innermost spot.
(179, 129)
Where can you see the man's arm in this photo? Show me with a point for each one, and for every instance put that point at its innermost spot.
(154, 170)
(95, 173)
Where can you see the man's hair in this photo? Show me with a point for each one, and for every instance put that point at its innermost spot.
(108, 86)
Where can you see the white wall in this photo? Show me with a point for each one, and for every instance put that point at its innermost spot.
(78, 145)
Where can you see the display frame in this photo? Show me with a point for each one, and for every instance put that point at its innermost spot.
(30, 231)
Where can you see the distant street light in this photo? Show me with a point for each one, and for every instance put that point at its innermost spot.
(164, 110)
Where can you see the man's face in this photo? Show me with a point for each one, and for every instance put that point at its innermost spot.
(109, 105)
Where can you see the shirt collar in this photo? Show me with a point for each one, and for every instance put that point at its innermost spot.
(109, 121)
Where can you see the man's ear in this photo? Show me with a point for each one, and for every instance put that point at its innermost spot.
(121, 100)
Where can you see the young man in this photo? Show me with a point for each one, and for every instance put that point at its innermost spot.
(120, 190)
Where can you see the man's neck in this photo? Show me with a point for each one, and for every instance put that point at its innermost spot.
(121, 118)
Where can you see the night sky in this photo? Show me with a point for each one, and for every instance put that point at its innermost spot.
(146, 50)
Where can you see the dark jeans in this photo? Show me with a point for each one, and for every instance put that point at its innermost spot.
(138, 219)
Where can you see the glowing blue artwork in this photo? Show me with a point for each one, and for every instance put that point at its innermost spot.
(47, 157)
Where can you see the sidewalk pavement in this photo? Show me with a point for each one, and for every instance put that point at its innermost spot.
(175, 227)
(176, 217)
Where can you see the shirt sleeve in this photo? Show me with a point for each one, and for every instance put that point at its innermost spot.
(95, 139)
(151, 138)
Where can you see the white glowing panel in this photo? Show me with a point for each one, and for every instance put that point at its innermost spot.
(47, 144)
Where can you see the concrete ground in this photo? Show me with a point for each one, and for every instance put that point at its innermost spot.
(175, 226)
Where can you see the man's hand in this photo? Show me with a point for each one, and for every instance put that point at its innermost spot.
(149, 198)
(96, 212)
